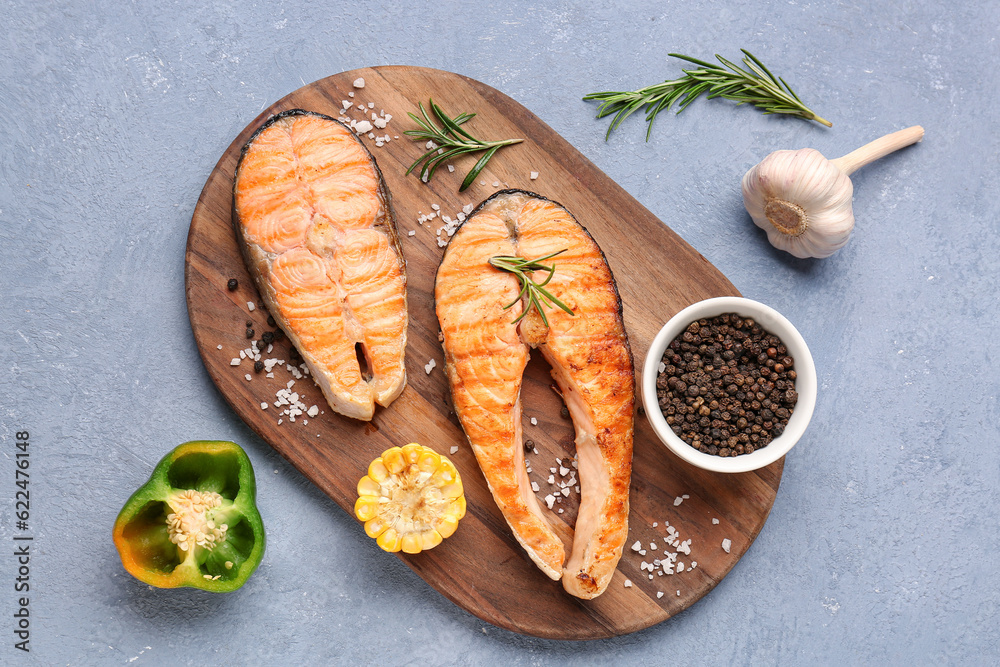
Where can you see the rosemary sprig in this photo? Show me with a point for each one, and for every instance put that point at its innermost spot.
(537, 294)
(754, 85)
(450, 141)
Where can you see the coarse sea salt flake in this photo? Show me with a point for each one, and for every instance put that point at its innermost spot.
(250, 306)
(715, 522)
(677, 501)
(247, 376)
(534, 487)
(411, 233)
(234, 362)
(550, 500)
(454, 449)
(363, 127)
(659, 594)
(533, 175)
(218, 347)
(313, 411)
(359, 82)
(628, 583)
(726, 544)
(429, 366)
(637, 546)
(663, 367)
(534, 422)
(263, 406)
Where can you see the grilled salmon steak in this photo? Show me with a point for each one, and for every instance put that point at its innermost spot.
(316, 226)
(485, 357)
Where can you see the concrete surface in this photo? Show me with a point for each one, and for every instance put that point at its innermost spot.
(882, 545)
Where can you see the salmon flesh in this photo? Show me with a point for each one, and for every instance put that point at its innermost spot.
(316, 226)
(485, 357)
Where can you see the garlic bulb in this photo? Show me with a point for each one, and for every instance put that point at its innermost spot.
(803, 201)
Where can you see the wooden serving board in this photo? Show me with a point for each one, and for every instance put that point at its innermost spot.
(482, 568)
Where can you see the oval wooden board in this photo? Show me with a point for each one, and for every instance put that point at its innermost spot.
(482, 568)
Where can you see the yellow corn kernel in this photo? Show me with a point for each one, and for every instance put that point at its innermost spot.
(368, 487)
(375, 527)
(452, 490)
(377, 470)
(411, 543)
(389, 540)
(430, 539)
(393, 460)
(446, 526)
(411, 453)
(429, 462)
(366, 508)
(411, 499)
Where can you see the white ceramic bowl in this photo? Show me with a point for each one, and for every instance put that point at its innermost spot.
(805, 383)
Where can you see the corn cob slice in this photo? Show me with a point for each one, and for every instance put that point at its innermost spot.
(411, 499)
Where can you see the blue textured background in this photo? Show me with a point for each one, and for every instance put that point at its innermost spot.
(882, 545)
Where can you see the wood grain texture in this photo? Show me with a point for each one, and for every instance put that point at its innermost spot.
(481, 568)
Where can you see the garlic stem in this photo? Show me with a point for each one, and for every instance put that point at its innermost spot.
(878, 149)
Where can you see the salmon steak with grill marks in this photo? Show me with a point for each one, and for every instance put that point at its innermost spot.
(486, 353)
(316, 227)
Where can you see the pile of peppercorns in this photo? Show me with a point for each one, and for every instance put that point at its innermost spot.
(727, 386)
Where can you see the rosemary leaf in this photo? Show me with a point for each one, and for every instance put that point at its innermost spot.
(755, 85)
(450, 141)
(537, 294)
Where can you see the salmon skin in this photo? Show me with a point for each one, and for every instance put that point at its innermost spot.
(485, 356)
(315, 223)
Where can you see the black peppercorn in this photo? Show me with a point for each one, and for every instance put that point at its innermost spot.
(267, 338)
(258, 366)
(232, 284)
(249, 333)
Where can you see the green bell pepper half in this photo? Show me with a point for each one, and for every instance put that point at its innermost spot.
(195, 522)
